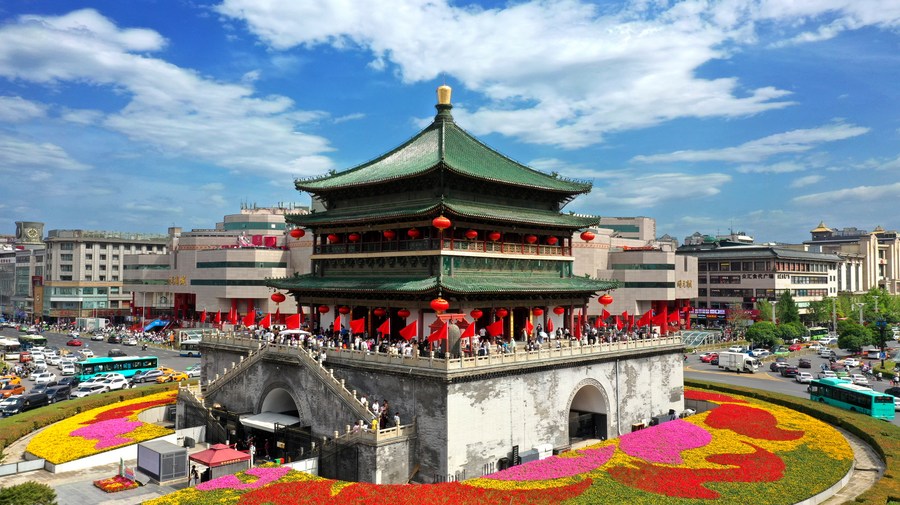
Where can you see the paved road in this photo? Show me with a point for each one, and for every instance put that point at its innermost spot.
(765, 379)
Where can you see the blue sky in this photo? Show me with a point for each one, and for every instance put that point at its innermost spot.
(764, 116)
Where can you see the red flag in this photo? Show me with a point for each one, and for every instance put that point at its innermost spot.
(337, 323)
(300, 313)
(218, 318)
(469, 331)
(673, 317)
(249, 319)
(605, 314)
(549, 325)
(233, 316)
(619, 324)
(645, 318)
(410, 331)
(358, 325)
(495, 329)
(529, 327)
(203, 317)
(625, 315)
(266, 322)
(293, 322)
(441, 334)
(598, 323)
(385, 328)
(277, 315)
(580, 326)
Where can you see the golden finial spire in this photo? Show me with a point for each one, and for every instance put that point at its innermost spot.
(443, 93)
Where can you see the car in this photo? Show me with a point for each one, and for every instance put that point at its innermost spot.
(172, 377)
(714, 361)
(895, 392)
(67, 369)
(795, 347)
(842, 375)
(10, 379)
(114, 339)
(148, 376)
(53, 359)
(803, 377)
(87, 390)
(26, 402)
(781, 351)
(130, 341)
(97, 337)
(44, 378)
(851, 362)
(74, 342)
(804, 363)
(58, 393)
(11, 389)
(709, 357)
(7, 401)
(87, 353)
(859, 379)
(827, 374)
(760, 353)
(70, 381)
(116, 353)
(735, 348)
(815, 346)
(115, 383)
(193, 370)
(789, 371)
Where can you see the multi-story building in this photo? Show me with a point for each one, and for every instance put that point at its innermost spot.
(21, 272)
(219, 270)
(736, 276)
(870, 259)
(84, 272)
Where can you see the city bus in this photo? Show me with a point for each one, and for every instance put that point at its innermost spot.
(29, 341)
(9, 349)
(818, 333)
(126, 365)
(189, 348)
(852, 397)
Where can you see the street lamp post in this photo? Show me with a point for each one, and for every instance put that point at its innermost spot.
(860, 307)
(773, 311)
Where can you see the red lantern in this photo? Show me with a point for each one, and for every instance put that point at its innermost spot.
(537, 311)
(558, 311)
(278, 297)
(605, 300)
(441, 223)
(471, 234)
(297, 232)
(334, 239)
(552, 240)
(353, 237)
(494, 236)
(587, 236)
(501, 313)
(413, 233)
(439, 305)
(389, 234)
(476, 314)
(379, 312)
(323, 309)
(531, 239)
(343, 309)
(403, 313)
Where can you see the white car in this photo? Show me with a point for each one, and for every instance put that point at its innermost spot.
(98, 337)
(859, 379)
(735, 348)
(130, 341)
(827, 374)
(67, 369)
(53, 360)
(815, 346)
(87, 390)
(44, 378)
(115, 383)
(87, 353)
(803, 377)
(849, 362)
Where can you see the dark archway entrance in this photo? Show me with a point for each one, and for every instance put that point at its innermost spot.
(588, 415)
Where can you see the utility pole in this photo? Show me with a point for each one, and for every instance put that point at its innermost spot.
(834, 314)
(860, 307)
(773, 311)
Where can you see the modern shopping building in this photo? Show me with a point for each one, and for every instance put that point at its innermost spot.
(870, 259)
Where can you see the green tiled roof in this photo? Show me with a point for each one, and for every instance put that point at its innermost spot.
(443, 141)
(451, 285)
(451, 208)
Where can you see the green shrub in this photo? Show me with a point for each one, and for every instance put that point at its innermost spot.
(28, 493)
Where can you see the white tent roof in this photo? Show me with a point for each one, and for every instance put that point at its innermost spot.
(266, 421)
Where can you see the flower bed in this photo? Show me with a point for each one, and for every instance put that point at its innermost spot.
(742, 451)
(115, 484)
(100, 430)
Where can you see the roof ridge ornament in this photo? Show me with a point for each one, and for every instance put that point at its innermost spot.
(443, 106)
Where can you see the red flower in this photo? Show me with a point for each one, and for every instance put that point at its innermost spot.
(760, 466)
(128, 410)
(693, 394)
(749, 421)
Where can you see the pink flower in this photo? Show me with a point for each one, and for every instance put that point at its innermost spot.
(107, 432)
(556, 467)
(265, 476)
(664, 443)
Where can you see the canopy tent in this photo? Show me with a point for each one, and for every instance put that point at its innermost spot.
(266, 421)
(218, 455)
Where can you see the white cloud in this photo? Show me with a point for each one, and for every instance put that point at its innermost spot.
(808, 180)
(171, 108)
(646, 191)
(858, 194)
(82, 116)
(794, 141)
(775, 168)
(17, 156)
(14, 109)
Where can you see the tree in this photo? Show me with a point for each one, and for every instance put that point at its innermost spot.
(762, 334)
(820, 312)
(786, 310)
(790, 331)
(853, 336)
(32, 493)
(765, 310)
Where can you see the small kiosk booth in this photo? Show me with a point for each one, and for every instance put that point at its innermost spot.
(220, 460)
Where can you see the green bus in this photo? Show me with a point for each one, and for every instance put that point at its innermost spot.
(818, 333)
(125, 365)
(852, 397)
(30, 340)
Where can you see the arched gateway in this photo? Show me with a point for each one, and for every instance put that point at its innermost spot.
(588, 409)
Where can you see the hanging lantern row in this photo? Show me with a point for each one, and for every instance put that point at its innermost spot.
(558, 311)
(605, 300)
(278, 297)
(414, 233)
(297, 232)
